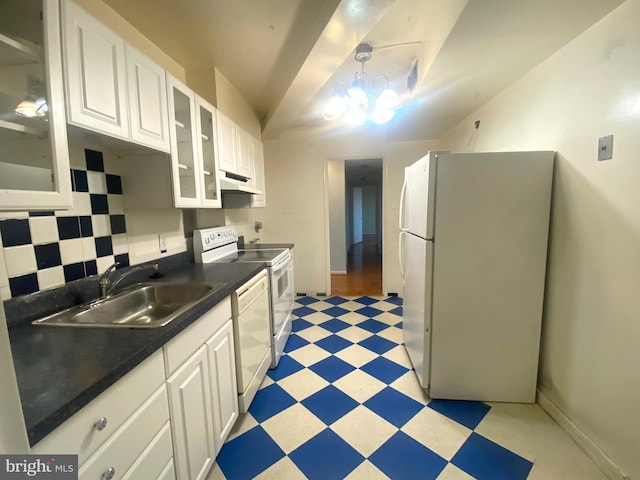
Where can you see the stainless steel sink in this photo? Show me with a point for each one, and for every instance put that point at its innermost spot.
(149, 305)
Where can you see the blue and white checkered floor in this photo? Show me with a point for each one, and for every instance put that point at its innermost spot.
(344, 403)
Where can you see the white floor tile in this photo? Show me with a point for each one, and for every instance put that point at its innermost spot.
(354, 334)
(364, 430)
(215, 473)
(392, 333)
(437, 432)
(356, 355)
(312, 334)
(399, 355)
(303, 384)
(284, 469)
(451, 472)
(309, 355)
(353, 318)
(359, 385)
(293, 427)
(244, 423)
(366, 471)
(388, 318)
(317, 318)
(408, 384)
(319, 306)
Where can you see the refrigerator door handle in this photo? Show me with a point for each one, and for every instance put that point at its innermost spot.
(401, 253)
(401, 213)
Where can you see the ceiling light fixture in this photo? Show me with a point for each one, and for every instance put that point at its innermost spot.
(360, 101)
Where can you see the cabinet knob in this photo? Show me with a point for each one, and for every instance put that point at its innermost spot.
(100, 424)
(108, 474)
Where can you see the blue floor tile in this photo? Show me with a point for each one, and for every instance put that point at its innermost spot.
(398, 325)
(373, 326)
(300, 324)
(396, 311)
(326, 457)
(329, 404)
(233, 456)
(393, 406)
(336, 300)
(468, 413)
(333, 343)
(486, 460)
(269, 401)
(369, 312)
(286, 366)
(302, 311)
(377, 344)
(394, 300)
(335, 311)
(295, 342)
(366, 300)
(306, 300)
(384, 370)
(334, 325)
(332, 368)
(401, 457)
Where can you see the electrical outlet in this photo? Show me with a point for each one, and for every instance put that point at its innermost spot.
(605, 148)
(162, 242)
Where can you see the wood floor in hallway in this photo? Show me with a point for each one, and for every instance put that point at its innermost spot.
(364, 271)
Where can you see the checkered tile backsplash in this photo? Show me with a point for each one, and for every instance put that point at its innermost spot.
(47, 249)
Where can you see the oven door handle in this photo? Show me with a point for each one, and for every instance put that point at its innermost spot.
(283, 264)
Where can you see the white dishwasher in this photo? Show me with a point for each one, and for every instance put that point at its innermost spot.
(252, 335)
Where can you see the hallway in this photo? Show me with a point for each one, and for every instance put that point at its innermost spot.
(364, 270)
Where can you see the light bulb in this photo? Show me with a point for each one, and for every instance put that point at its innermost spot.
(335, 107)
(357, 96)
(382, 115)
(388, 99)
(357, 116)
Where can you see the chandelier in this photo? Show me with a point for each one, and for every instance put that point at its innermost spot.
(358, 101)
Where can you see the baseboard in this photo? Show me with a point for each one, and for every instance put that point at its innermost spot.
(610, 469)
(339, 272)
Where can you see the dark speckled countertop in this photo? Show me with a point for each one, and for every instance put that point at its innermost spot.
(60, 370)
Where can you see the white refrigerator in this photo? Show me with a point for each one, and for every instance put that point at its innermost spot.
(473, 250)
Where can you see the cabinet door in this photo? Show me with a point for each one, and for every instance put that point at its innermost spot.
(257, 178)
(245, 153)
(95, 74)
(191, 420)
(147, 101)
(224, 393)
(34, 157)
(227, 151)
(209, 175)
(185, 164)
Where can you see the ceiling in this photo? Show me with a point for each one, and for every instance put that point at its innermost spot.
(363, 171)
(286, 56)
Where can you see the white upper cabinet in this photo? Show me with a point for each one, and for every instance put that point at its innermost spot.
(227, 144)
(111, 87)
(34, 156)
(208, 154)
(245, 153)
(95, 74)
(185, 158)
(147, 101)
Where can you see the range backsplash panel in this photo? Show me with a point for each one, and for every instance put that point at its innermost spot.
(47, 249)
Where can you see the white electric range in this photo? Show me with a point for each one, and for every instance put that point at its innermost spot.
(219, 244)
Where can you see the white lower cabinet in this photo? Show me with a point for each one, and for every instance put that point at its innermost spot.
(192, 426)
(224, 392)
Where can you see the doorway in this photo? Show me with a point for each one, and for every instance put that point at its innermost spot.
(356, 258)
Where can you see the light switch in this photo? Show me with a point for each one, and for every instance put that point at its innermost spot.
(605, 148)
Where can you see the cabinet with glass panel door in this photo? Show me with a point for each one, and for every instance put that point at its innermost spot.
(34, 158)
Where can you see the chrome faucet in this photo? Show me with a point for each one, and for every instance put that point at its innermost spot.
(107, 285)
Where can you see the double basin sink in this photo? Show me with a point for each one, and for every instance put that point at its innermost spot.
(146, 305)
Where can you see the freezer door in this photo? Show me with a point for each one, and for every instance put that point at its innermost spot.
(416, 310)
(419, 197)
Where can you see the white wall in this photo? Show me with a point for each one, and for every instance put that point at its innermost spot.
(337, 220)
(297, 210)
(590, 357)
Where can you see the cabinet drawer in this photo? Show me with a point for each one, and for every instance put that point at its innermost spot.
(79, 435)
(182, 346)
(155, 458)
(129, 443)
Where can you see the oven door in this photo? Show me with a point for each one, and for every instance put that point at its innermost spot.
(282, 294)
